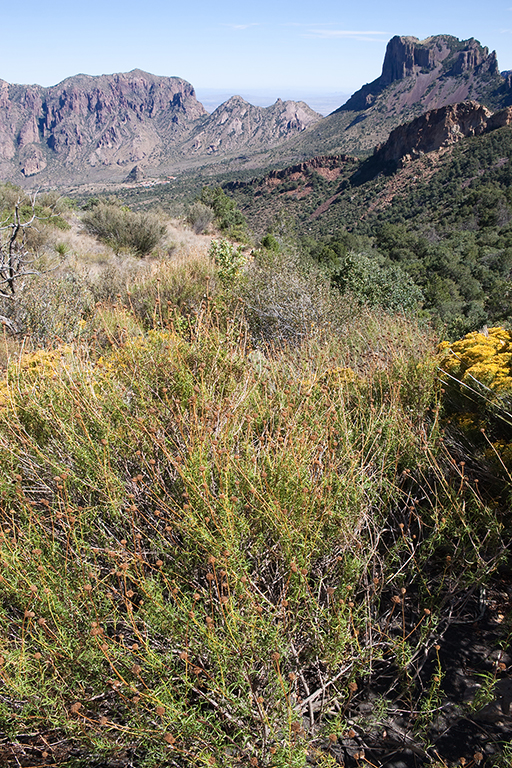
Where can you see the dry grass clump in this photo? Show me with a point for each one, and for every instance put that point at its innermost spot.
(207, 547)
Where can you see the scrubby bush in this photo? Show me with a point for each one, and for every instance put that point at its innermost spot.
(216, 540)
(228, 258)
(285, 297)
(200, 216)
(123, 229)
(270, 243)
(224, 523)
(371, 282)
(54, 308)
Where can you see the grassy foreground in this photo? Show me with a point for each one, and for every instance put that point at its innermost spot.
(209, 549)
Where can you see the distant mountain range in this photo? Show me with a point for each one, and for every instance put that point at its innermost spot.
(96, 129)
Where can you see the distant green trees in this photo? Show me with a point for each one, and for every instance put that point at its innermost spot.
(449, 230)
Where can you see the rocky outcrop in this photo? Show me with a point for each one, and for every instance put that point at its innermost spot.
(500, 119)
(136, 174)
(330, 167)
(406, 56)
(439, 128)
(236, 124)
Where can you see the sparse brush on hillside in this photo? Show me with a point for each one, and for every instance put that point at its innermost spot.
(211, 550)
(228, 217)
(27, 248)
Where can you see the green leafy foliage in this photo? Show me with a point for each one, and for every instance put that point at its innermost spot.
(228, 258)
(370, 281)
(228, 216)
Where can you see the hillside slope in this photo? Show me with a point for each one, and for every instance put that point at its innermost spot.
(444, 216)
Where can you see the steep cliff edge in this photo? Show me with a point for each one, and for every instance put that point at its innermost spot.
(435, 65)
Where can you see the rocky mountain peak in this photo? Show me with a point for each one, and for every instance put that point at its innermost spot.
(441, 57)
(406, 56)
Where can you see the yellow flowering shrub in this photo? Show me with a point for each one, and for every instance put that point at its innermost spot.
(480, 358)
(477, 374)
(33, 367)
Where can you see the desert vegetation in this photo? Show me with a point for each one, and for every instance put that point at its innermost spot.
(238, 518)
(444, 220)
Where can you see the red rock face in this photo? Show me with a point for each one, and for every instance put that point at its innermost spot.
(109, 120)
(440, 128)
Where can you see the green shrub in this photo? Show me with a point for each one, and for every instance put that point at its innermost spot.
(270, 243)
(123, 229)
(228, 258)
(228, 217)
(371, 282)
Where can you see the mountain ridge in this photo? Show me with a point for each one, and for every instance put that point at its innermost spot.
(90, 129)
(417, 76)
(95, 126)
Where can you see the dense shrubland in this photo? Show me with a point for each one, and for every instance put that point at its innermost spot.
(234, 512)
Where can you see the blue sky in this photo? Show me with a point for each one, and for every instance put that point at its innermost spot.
(291, 45)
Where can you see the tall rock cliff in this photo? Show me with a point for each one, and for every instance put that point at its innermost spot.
(433, 69)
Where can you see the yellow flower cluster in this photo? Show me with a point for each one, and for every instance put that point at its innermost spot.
(484, 357)
(333, 377)
(120, 359)
(31, 367)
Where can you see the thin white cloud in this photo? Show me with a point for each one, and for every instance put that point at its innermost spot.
(355, 34)
(241, 26)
